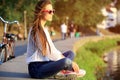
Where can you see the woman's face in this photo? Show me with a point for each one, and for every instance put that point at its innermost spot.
(48, 12)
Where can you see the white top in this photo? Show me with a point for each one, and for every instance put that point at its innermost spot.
(64, 28)
(33, 55)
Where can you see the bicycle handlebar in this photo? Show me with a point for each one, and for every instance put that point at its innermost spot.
(8, 22)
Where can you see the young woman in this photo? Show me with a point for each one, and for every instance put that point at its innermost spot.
(43, 59)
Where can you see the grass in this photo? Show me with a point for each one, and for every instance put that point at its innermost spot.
(89, 57)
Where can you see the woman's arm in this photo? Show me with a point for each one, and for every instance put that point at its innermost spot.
(55, 53)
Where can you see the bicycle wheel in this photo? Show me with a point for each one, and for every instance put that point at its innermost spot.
(10, 50)
(3, 55)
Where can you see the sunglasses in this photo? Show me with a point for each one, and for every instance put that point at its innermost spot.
(49, 11)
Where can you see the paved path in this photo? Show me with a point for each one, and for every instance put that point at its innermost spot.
(16, 69)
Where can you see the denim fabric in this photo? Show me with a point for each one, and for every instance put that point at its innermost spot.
(50, 68)
(69, 54)
(63, 36)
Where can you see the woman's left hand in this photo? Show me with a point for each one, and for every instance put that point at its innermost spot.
(75, 67)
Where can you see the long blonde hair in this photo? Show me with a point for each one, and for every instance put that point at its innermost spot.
(37, 30)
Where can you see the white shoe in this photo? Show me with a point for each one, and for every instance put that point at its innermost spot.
(81, 73)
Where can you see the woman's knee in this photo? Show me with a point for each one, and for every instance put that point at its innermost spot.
(72, 53)
(67, 62)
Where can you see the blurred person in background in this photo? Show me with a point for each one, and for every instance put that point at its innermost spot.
(72, 30)
(63, 31)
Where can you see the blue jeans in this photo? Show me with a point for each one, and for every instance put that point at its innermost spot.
(63, 36)
(50, 68)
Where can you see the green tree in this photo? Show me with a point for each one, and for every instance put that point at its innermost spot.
(14, 9)
(118, 4)
(82, 12)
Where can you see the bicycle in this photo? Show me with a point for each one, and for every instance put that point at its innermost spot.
(8, 43)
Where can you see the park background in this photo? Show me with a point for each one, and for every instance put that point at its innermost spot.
(85, 14)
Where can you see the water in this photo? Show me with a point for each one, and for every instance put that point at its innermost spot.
(112, 60)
